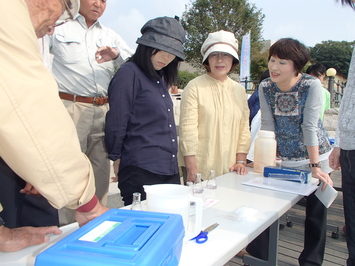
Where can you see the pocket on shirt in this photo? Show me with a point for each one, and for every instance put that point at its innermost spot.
(105, 41)
(68, 49)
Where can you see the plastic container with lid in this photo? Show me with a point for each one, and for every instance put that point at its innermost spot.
(120, 237)
(264, 150)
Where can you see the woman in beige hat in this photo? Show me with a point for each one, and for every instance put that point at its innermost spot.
(214, 126)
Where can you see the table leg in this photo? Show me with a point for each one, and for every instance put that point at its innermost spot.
(273, 245)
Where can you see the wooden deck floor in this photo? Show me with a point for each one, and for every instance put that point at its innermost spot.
(291, 238)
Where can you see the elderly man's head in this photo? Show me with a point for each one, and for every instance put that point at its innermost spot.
(91, 10)
(45, 13)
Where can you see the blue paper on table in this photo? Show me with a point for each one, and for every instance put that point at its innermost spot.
(289, 174)
(120, 237)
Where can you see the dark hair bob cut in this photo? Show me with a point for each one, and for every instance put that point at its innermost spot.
(291, 49)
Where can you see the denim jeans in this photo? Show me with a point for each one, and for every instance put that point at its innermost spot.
(347, 162)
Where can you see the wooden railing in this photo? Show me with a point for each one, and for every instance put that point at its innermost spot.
(336, 90)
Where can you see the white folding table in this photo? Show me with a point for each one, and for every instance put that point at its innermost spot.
(262, 209)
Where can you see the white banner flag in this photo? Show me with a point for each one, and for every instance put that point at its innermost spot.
(245, 59)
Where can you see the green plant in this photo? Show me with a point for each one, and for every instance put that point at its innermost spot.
(184, 77)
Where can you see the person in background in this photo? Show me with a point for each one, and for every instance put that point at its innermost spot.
(290, 107)
(140, 131)
(255, 118)
(85, 56)
(38, 138)
(253, 101)
(343, 154)
(214, 114)
(175, 94)
(318, 70)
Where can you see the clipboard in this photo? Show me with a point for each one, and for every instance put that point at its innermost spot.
(282, 185)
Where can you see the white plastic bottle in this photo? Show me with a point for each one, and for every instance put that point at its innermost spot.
(264, 150)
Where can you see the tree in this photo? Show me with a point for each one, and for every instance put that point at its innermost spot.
(333, 54)
(184, 77)
(258, 64)
(205, 16)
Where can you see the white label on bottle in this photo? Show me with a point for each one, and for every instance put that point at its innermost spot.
(99, 231)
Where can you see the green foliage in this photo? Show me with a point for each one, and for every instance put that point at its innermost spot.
(206, 16)
(258, 64)
(184, 77)
(333, 54)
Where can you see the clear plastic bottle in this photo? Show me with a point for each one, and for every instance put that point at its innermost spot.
(264, 150)
(198, 188)
(211, 182)
(136, 204)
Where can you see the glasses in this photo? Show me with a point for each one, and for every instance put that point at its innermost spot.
(216, 55)
(68, 7)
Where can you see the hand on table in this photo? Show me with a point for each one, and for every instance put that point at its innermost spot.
(240, 168)
(19, 238)
(85, 217)
(191, 176)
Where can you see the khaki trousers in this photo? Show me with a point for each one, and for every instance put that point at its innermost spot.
(89, 120)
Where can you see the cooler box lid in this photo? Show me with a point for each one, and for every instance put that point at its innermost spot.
(120, 237)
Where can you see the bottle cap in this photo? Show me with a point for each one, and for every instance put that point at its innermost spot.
(266, 134)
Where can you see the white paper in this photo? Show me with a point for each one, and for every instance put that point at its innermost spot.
(326, 196)
(99, 231)
(282, 185)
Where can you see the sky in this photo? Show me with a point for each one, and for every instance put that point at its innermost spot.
(309, 21)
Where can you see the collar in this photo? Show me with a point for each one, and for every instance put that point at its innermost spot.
(81, 19)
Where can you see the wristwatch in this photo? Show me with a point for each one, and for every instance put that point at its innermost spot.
(319, 165)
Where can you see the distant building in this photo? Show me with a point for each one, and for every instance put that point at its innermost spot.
(266, 45)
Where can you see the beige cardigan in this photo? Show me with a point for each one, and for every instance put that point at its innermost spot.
(214, 124)
(38, 139)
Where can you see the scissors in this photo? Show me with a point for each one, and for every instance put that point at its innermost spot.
(202, 236)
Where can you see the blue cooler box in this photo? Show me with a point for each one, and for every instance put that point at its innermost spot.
(120, 237)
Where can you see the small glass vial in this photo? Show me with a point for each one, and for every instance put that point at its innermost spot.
(136, 204)
(198, 188)
(211, 183)
(190, 185)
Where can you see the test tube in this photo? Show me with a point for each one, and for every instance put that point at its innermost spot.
(299, 177)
